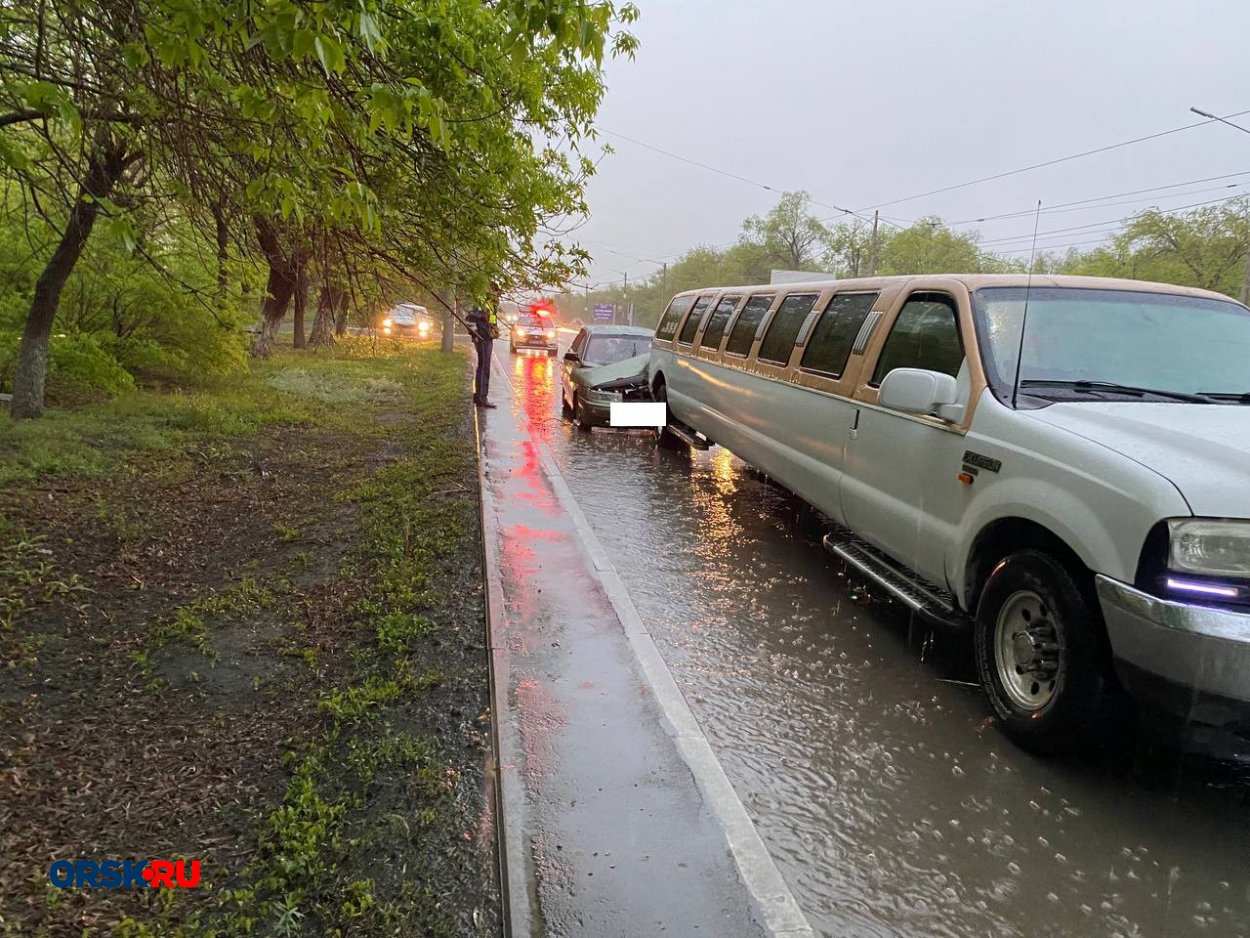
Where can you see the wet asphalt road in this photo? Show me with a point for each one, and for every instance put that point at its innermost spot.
(890, 805)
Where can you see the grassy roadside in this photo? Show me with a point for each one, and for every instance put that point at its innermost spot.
(244, 626)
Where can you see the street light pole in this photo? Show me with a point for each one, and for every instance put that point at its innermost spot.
(1245, 280)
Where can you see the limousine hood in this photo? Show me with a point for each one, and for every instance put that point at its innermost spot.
(1203, 449)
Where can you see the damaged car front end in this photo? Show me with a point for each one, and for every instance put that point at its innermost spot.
(590, 391)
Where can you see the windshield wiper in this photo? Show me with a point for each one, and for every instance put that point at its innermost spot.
(1117, 388)
(1242, 397)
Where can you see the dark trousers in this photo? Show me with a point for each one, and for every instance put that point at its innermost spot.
(481, 379)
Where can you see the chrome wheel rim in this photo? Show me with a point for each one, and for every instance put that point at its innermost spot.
(1026, 650)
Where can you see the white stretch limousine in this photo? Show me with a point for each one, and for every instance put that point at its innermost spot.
(1061, 464)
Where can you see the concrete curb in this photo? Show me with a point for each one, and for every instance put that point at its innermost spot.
(517, 885)
(774, 905)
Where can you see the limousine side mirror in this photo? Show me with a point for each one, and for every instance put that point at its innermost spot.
(918, 391)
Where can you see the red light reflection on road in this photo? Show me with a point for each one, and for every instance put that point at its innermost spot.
(533, 391)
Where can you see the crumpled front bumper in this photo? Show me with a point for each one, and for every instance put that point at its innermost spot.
(1190, 660)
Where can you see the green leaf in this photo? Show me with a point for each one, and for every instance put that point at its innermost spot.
(330, 54)
(369, 31)
(303, 43)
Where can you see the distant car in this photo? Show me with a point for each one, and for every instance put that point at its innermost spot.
(408, 319)
(533, 330)
(604, 364)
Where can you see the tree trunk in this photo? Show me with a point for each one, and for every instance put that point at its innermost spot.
(104, 169)
(323, 324)
(278, 289)
(449, 325)
(223, 255)
(301, 297)
(340, 314)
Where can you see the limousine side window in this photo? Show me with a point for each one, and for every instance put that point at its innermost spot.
(743, 333)
(715, 329)
(925, 335)
(830, 345)
(672, 316)
(692, 321)
(784, 329)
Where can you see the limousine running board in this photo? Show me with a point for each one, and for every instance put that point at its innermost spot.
(931, 603)
(688, 436)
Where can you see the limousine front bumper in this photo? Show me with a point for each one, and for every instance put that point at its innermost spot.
(1190, 660)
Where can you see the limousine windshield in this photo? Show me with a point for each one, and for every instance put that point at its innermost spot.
(1082, 344)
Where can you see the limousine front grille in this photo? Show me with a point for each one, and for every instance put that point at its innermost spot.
(934, 604)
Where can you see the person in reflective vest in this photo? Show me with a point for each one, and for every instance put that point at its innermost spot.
(483, 323)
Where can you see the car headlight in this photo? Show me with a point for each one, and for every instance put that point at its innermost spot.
(551, 333)
(423, 327)
(386, 324)
(1209, 547)
(601, 396)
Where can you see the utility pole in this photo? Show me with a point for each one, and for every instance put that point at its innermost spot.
(625, 295)
(1245, 280)
(664, 283)
(872, 248)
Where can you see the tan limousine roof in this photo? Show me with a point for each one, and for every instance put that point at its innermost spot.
(976, 282)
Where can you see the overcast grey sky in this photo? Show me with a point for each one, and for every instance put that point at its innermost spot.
(865, 103)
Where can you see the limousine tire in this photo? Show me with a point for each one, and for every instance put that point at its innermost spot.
(1039, 654)
(663, 436)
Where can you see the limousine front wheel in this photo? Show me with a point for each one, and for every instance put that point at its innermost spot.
(1038, 652)
(663, 435)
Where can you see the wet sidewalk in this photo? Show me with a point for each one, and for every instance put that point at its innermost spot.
(616, 817)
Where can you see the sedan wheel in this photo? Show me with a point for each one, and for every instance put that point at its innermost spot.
(583, 423)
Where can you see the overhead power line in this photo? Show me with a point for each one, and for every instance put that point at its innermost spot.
(726, 173)
(1053, 247)
(1064, 206)
(1107, 221)
(1054, 162)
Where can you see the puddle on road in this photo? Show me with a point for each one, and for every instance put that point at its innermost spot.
(890, 805)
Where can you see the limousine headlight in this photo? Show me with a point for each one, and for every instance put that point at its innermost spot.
(1209, 547)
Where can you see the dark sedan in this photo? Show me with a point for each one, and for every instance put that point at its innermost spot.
(584, 371)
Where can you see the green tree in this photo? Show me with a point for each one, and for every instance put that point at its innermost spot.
(929, 247)
(416, 135)
(849, 247)
(789, 236)
(1205, 248)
